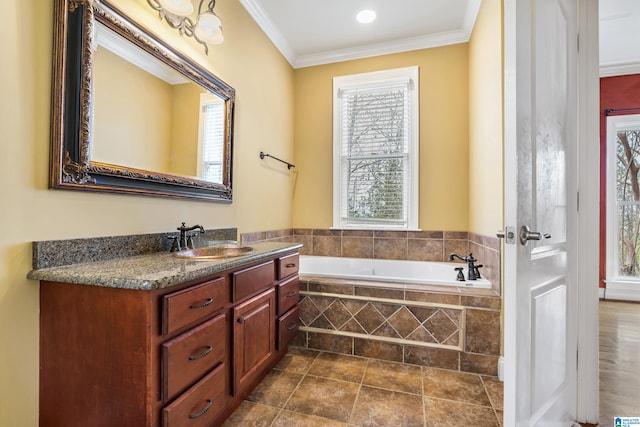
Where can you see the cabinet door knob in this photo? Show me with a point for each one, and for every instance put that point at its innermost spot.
(241, 319)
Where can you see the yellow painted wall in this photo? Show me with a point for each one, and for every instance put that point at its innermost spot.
(183, 148)
(485, 121)
(444, 135)
(141, 105)
(30, 211)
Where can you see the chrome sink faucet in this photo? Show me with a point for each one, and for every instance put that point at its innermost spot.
(184, 240)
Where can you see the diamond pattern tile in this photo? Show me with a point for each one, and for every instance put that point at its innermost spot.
(386, 330)
(422, 335)
(386, 310)
(308, 311)
(354, 306)
(370, 318)
(440, 326)
(428, 325)
(422, 313)
(337, 314)
(404, 322)
(322, 322)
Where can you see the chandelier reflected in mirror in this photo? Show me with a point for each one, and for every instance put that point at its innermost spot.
(208, 26)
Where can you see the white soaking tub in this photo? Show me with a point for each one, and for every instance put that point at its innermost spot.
(410, 273)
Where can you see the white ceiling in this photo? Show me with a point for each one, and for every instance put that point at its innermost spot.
(312, 32)
(619, 38)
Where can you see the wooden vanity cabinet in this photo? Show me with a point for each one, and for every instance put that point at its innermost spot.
(185, 356)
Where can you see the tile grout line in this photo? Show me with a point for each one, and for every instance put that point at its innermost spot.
(424, 399)
(355, 401)
(304, 375)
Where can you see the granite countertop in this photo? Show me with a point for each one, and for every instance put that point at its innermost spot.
(154, 271)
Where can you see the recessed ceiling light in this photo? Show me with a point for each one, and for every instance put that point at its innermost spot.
(366, 16)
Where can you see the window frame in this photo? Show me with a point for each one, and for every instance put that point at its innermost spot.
(206, 99)
(614, 125)
(371, 79)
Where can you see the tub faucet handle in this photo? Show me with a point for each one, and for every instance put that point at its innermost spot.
(476, 271)
(460, 277)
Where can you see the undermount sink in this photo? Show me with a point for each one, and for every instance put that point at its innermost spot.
(214, 252)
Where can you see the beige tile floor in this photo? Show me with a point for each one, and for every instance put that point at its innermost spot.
(312, 388)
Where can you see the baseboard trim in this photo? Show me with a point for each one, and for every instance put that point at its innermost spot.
(622, 291)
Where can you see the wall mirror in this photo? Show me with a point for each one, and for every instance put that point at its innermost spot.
(131, 114)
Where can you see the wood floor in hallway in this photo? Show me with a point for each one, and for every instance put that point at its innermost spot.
(619, 361)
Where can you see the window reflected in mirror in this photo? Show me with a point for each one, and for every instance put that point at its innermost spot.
(165, 122)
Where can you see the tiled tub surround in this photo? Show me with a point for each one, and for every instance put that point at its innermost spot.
(400, 245)
(456, 329)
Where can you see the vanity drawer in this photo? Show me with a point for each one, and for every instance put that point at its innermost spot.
(288, 265)
(252, 280)
(201, 404)
(188, 356)
(182, 308)
(288, 327)
(288, 294)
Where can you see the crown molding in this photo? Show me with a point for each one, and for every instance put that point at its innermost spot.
(397, 46)
(262, 19)
(365, 51)
(470, 16)
(619, 69)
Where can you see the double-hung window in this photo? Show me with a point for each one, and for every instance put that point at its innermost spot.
(211, 138)
(375, 143)
(623, 201)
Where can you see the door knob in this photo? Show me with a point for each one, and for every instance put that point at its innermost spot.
(526, 234)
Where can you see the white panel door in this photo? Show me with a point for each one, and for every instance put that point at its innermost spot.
(540, 193)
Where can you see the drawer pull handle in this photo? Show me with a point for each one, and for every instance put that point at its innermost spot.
(292, 293)
(203, 354)
(203, 411)
(292, 326)
(203, 304)
(290, 265)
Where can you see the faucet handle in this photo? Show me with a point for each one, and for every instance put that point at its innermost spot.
(190, 240)
(476, 271)
(460, 276)
(175, 245)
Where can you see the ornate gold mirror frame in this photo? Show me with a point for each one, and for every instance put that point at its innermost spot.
(71, 133)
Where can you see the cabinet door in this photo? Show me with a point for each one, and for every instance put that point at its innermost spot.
(253, 337)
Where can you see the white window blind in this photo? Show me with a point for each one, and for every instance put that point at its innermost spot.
(212, 141)
(376, 153)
